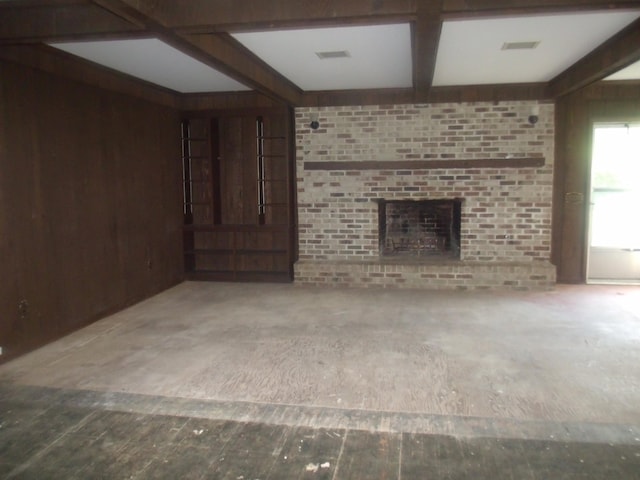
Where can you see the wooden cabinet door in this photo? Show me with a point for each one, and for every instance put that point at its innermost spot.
(239, 196)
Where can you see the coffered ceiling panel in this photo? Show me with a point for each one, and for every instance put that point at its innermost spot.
(521, 49)
(337, 58)
(154, 61)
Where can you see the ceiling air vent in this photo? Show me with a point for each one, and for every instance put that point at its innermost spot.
(520, 45)
(335, 54)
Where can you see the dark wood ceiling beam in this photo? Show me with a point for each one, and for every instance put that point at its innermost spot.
(216, 15)
(181, 24)
(456, 94)
(621, 50)
(472, 8)
(31, 20)
(6, 4)
(218, 50)
(426, 36)
(192, 102)
(34, 24)
(229, 56)
(489, 93)
(242, 15)
(56, 62)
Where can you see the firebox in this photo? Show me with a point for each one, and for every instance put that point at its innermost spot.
(420, 228)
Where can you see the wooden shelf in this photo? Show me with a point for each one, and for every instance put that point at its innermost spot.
(230, 228)
(516, 162)
(227, 251)
(240, 275)
(249, 250)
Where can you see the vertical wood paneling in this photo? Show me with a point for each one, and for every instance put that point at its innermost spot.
(570, 194)
(91, 204)
(249, 180)
(231, 167)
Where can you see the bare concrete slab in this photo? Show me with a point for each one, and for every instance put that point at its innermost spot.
(569, 355)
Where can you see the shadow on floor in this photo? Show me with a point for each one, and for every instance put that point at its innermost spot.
(66, 434)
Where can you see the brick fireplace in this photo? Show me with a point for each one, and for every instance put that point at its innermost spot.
(419, 228)
(490, 170)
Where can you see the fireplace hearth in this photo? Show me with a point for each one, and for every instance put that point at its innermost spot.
(420, 228)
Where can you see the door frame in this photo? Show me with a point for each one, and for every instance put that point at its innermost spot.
(595, 122)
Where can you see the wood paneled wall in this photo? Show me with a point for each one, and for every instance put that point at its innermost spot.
(575, 116)
(90, 204)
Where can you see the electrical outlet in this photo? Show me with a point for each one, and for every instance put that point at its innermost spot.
(0, 350)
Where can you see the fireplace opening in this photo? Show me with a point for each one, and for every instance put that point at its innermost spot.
(420, 228)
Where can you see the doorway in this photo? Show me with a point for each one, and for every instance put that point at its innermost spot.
(614, 215)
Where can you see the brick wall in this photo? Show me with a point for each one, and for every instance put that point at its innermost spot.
(506, 213)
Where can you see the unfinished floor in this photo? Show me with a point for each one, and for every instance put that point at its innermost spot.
(379, 383)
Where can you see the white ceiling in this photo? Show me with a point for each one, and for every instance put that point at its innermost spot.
(379, 56)
(632, 72)
(469, 53)
(154, 61)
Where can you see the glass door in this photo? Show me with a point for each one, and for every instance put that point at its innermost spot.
(614, 227)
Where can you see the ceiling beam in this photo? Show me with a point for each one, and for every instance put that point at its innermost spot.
(199, 16)
(191, 102)
(619, 51)
(218, 50)
(30, 21)
(34, 24)
(489, 93)
(56, 62)
(200, 28)
(229, 56)
(40, 3)
(426, 35)
(473, 8)
(389, 96)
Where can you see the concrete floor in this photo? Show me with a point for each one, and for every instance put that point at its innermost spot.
(547, 366)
